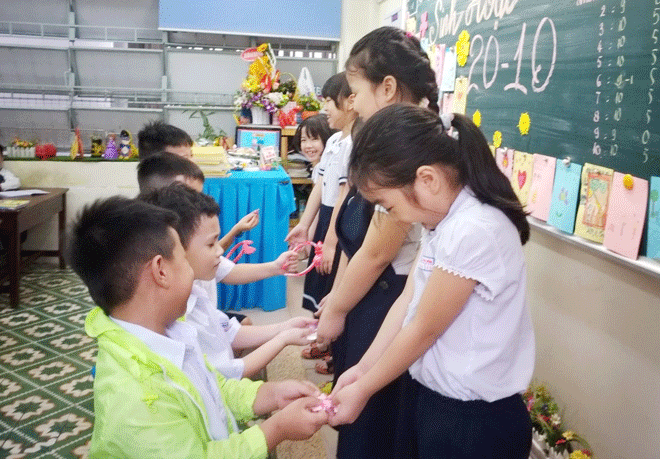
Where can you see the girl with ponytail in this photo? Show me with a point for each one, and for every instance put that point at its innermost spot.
(461, 327)
(384, 67)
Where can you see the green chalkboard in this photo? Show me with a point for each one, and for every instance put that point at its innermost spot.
(586, 71)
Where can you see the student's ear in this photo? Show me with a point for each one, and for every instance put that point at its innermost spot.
(160, 271)
(390, 88)
(349, 103)
(429, 178)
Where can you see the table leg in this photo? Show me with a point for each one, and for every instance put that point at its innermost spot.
(14, 255)
(62, 229)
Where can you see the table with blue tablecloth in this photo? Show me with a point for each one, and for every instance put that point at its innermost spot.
(238, 194)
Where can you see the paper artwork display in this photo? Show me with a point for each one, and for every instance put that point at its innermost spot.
(625, 215)
(460, 95)
(438, 60)
(540, 192)
(504, 160)
(447, 102)
(449, 71)
(521, 177)
(594, 196)
(565, 193)
(653, 222)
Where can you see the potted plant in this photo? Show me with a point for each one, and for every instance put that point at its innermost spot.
(309, 105)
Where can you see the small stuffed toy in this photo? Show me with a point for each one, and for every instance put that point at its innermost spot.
(127, 148)
(76, 145)
(111, 151)
(97, 146)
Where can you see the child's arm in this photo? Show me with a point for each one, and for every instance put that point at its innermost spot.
(256, 360)
(330, 241)
(249, 336)
(244, 273)
(382, 243)
(11, 182)
(299, 233)
(442, 300)
(244, 224)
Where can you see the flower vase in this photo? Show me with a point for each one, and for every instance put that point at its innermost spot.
(307, 113)
(260, 115)
(275, 119)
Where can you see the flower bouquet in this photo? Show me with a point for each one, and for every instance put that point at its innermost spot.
(21, 148)
(309, 104)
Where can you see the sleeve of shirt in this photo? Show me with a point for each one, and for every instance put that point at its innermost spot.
(347, 147)
(469, 251)
(224, 268)
(239, 395)
(11, 181)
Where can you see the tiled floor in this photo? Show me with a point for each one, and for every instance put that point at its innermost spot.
(46, 408)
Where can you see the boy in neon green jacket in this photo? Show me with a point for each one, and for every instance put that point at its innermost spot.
(155, 395)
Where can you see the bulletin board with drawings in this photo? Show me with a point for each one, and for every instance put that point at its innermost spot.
(560, 79)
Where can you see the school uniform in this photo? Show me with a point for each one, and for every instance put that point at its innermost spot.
(382, 429)
(8, 181)
(216, 331)
(469, 381)
(332, 172)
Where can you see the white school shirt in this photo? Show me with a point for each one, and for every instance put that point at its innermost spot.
(487, 353)
(408, 251)
(333, 167)
(180, 346)
(215, 332)
(11, 181)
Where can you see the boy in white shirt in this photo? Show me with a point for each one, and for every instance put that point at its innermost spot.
(154, 394)
(220, 336)
(8, 181)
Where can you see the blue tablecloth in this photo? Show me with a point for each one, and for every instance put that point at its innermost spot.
(238, 194)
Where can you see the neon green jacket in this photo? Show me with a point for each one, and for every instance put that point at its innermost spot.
(145, 407)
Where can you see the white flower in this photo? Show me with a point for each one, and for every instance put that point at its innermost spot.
(275, 97)
(555, 420)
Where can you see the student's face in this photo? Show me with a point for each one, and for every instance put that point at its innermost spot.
(338, 117)
(182, 277)
(181, 150)
(368, 98)
(204, 249)
(312, 147)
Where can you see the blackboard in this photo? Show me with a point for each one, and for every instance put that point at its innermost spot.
(586, 71)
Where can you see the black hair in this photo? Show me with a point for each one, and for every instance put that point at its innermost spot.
(390, 51)
(400, 138)
(111, 240)
(188, 204)
(156, 136)
(337, 89)
(160, 169)
(2, 151)
(316, 126)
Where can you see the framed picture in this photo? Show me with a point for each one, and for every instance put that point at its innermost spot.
(251, 136)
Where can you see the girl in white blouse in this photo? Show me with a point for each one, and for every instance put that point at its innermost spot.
(461, 327)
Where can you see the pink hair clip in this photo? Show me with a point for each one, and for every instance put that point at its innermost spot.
(409, 34)
(245, 249)
(316, 261)
(326, 404)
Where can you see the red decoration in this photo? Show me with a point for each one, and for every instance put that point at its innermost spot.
(45, 151)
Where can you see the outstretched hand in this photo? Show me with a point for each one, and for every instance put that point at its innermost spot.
(248, 222)
(349, 403)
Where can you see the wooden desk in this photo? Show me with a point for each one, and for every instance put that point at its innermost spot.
(14, 221)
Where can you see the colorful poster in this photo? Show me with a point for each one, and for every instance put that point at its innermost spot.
(626, 211)
(438, 59)
(504, 160)
(540, 192)
(565, 193)
(460, 95)
(594, 195)
(447, 102)
(653, 222)
(449, 71)
(521, 178)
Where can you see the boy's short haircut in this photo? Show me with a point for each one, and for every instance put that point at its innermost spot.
(111, 240)
(2, 151)
(188, 204)
(337, 88)
(162, 168)
(316, 126)
(156, 136)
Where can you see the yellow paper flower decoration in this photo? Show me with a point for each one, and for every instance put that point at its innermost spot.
(578, 455)
(523, 123)
(476, 118)
(568, 435)
(497, 139)
(463, 48)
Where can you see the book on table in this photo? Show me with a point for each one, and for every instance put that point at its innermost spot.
(13, 203)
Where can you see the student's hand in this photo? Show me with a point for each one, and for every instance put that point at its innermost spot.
(331, 325)
(328, 258)
(287, 262)
(349, 403)
(322, 303)
(297, 421)
(299, 322)
(348, 377)
(295, 336)
(297, 235)
(248, 222)
(285, 392)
